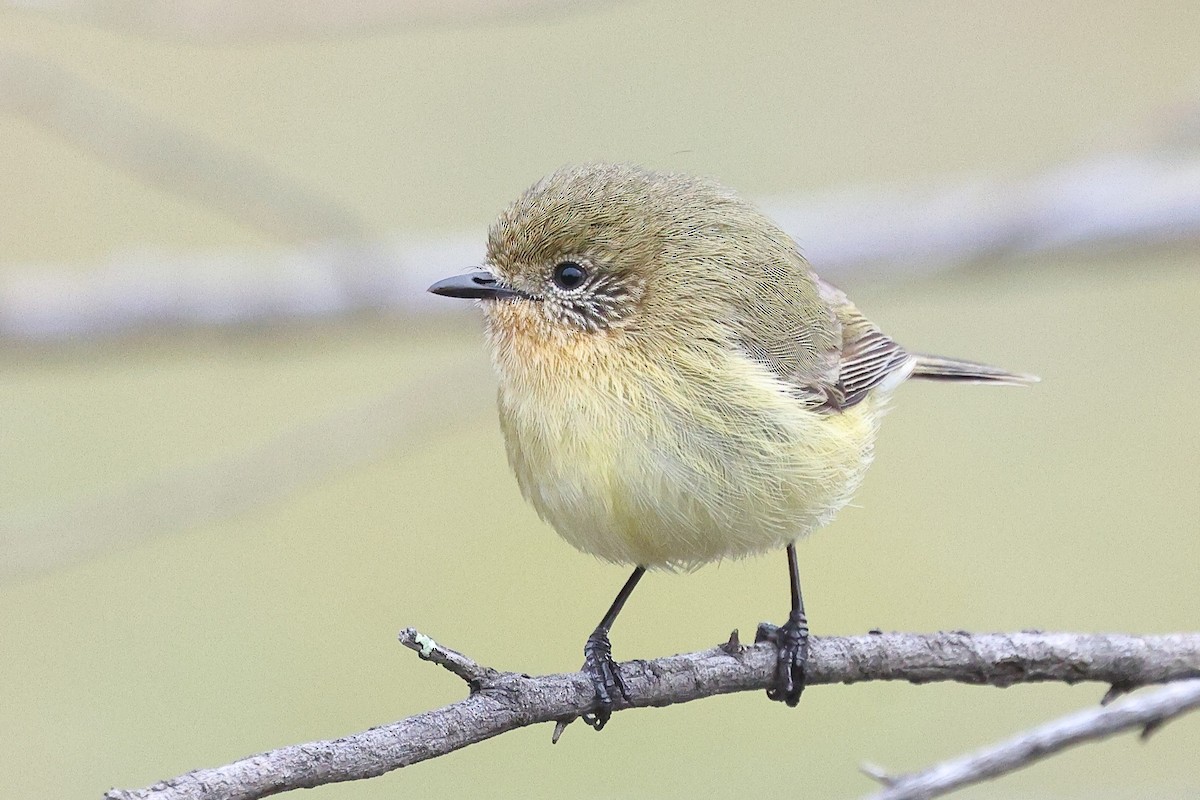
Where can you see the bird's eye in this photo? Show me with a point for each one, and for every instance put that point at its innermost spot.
(569, 275)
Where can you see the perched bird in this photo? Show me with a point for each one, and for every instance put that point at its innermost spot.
(676, 385)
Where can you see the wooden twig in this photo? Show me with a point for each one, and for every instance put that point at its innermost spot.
(503, 701)
(1146, 712)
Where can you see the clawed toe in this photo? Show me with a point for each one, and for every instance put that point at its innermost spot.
(606, 679)
(791, 643)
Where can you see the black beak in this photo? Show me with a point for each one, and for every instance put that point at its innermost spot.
(478, 285)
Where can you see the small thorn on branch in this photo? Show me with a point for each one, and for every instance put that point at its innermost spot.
(1115, 691)
(559, 727)
(1151, 729)
(877, 773)
(734, 646)
(475, 674)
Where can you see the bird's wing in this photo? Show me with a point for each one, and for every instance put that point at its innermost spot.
(868, 357)
(813, 339)
(782, 322)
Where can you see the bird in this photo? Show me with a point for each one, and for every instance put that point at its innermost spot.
(676, 386)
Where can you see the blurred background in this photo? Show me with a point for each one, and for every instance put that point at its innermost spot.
(242, 448)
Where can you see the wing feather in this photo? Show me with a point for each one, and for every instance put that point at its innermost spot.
(868, 356)
(827, 352)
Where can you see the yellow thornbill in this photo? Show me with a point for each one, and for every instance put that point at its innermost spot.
(676, 385)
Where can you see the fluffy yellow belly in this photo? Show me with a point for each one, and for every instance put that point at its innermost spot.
(660, 476)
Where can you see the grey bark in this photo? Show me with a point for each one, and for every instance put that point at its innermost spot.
(502, 701)
(1147, 712)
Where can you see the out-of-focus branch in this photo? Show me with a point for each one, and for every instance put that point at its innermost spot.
(1134, 199)
(1111, 202)
(504, 701)
(338, 272)
(1146, 712)
(1107, 201)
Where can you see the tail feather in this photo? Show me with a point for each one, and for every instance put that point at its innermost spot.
(937, 368)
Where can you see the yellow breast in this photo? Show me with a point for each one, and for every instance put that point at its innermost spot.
(670, 462)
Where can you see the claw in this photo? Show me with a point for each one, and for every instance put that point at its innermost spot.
(791, 641)
(606, 678)
(766, 633)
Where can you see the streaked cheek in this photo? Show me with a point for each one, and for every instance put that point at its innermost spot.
(512, 315)
(521, 330)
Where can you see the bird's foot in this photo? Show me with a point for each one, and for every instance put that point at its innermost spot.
(791, 642)
(606, 678)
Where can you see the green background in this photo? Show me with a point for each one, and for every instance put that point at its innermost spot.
(1070, 506)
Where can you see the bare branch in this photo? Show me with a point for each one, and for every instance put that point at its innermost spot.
(1147, 711)
(503, 701)
(475, 674)
(1139, 198)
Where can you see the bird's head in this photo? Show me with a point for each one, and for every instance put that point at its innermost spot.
(616, 251)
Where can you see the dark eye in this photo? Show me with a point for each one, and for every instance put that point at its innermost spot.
(569, 275)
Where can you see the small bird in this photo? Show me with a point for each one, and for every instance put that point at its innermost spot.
(676, 385)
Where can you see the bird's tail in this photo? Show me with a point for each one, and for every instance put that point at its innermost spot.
(937, 368)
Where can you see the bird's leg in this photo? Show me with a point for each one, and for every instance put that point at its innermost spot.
(791, 640)
(598, 661)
